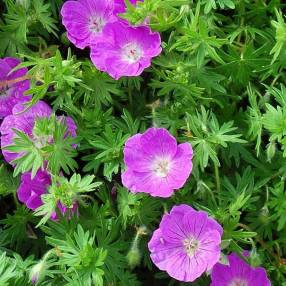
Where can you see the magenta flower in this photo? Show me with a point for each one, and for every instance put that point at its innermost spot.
(12, 85)
(238, 273)
(155, 164)
(186, 244)
(31, 190)
(125, 50)
(25, 121)
(86, 19)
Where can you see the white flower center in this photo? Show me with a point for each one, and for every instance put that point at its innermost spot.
(96, 24)
(191, 245)
(161, 167)
(238, 282)
(132, 53)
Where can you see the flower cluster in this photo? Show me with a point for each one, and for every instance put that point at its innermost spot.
(187, 242)
(24, 120)
(31, 189)
(116, 47)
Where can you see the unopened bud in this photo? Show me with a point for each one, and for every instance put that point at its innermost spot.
(37, 273)
(271, 150)
(264, 217)
(134, 257)
(254, 258)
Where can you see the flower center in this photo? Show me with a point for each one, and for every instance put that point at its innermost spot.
(131, 53)
(238, 282)
(96, 24)
(161, 167)
(190, 245)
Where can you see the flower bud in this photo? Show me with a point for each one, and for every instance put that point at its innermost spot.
(134, 257)
(255, 260)
(37, 273)
(271, 150)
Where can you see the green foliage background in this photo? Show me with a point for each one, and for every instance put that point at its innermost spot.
(219, 84)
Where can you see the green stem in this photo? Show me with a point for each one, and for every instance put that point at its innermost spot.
(153, 117)
(130, 96)
(217, 178)
(46, 256)
(16, 199)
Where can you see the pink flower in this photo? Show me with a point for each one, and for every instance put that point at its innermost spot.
(186, 244)
(12, 85)
(155, 164)
(238, 273)
(31, 190)
(125, 50)
(25, 122)
(86, 19)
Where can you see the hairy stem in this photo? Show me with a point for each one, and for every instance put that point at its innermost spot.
(217, 178)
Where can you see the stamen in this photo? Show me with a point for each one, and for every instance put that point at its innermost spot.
(191, 245)
(131, 53)
(161, 167)
(96, 24)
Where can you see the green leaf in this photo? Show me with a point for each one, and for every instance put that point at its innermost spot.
(8, 184)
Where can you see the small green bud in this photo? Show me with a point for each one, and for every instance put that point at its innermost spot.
(180, 68)
(255, 260)
(37, 273)
(264, 215)
(271, 150)
(133, 257)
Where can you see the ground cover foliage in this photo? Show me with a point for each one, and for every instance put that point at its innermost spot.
(218, 84)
